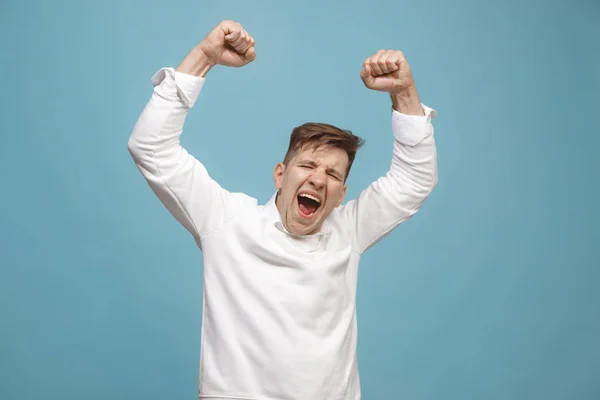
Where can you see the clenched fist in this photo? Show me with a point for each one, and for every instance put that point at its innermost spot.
(229, 44)
(387, 71)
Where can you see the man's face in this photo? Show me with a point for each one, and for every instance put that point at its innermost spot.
(310, 187)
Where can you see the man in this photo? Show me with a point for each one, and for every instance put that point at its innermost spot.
(280, 279)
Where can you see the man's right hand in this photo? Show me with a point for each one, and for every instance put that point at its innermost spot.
(227, 44)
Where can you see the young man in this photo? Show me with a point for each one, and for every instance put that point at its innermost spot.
(280, 279)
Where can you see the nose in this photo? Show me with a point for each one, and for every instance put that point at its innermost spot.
(317, 179)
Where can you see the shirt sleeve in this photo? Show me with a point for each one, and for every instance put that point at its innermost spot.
(179, 180)
(400, 193)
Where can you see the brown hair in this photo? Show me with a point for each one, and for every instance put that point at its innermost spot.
(319, 134)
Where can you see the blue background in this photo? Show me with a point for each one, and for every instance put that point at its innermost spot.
(490, 292)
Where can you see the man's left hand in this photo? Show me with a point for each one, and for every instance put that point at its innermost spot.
(387, 71)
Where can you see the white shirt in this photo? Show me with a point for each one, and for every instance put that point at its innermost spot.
(279, 315)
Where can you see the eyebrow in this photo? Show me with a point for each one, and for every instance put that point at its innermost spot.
(314, 164)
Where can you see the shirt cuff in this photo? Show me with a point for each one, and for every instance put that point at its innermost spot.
(188, 86)
(412, 129)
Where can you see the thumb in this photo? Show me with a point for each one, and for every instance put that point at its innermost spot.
(250, 54)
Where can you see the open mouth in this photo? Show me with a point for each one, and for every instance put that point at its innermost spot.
(308, 204)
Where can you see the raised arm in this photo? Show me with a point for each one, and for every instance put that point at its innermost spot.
(399, 194)
(179, 180)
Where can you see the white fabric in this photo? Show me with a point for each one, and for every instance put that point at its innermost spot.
(279, 318)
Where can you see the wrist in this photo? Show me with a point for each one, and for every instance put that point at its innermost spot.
(196, 63)
(407, 101)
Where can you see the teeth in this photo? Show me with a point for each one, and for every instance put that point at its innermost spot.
(311, 197)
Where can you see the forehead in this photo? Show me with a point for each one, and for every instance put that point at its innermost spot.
(331, 157)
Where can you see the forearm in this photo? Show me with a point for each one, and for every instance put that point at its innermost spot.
(159, 127)
(407, 101)
(196, 63)
(414, 163)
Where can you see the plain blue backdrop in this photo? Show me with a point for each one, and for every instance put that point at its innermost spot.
(490, 292)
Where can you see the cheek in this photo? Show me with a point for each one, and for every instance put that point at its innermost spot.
(335, 191)
(296, 179)
(290, 185)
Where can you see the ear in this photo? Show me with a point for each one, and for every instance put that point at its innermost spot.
(278, 175)
(342, 195)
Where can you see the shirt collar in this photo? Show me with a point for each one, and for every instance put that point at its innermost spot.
(273, 215)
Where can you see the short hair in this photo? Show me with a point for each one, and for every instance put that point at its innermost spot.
(316, 135)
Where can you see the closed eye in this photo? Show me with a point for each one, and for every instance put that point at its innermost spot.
(307, 164)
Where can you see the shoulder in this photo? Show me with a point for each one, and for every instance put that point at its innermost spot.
(338, 219)
(239, 201)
